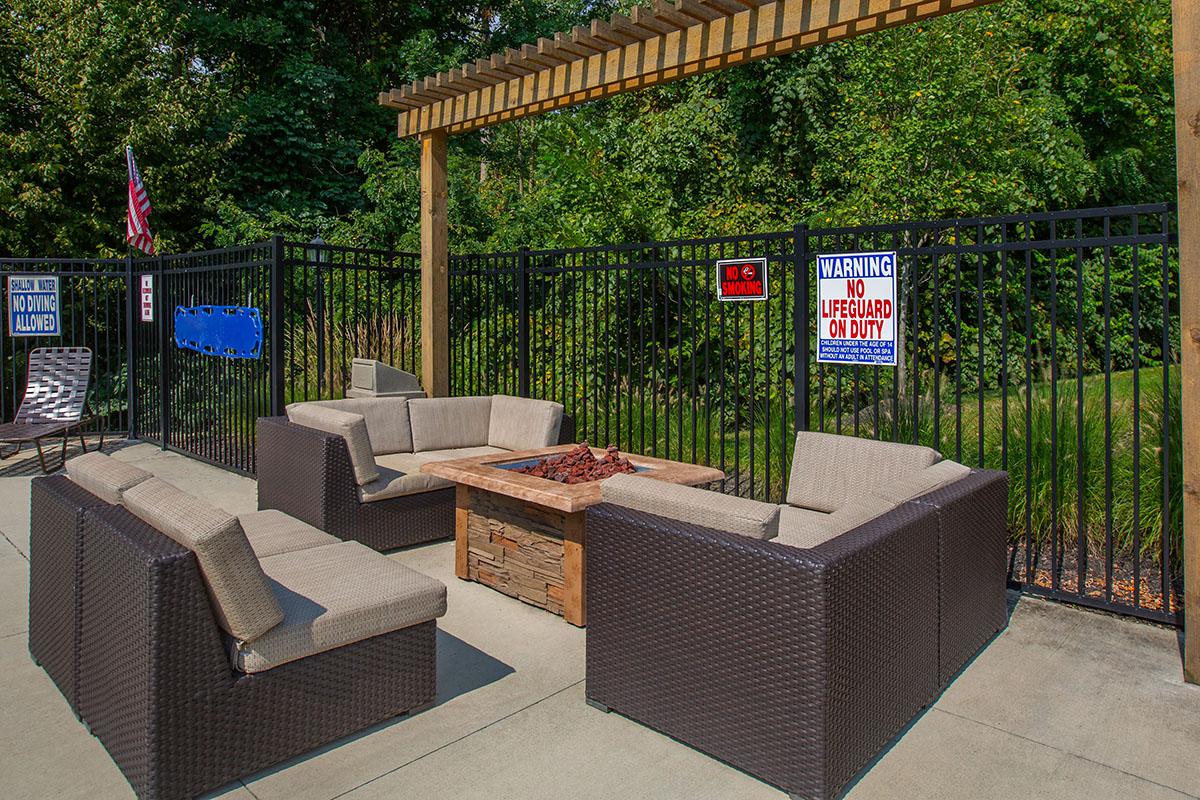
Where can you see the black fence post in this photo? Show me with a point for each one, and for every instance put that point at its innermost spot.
(164, 355)
(132, 315)
(523, 322)
(800, 323)
(275, 306)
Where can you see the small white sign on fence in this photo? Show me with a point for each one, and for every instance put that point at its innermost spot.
(856, 305)
(33, 306)
(147, 298)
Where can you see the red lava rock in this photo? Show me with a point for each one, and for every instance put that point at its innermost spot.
(579, 465)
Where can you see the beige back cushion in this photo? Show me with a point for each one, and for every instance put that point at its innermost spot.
(351, 427)
(388, 427)
(915, 484)
(519, 423)
(104, 476)
(692, 505)
(827, 469)
(444, 423)
(245, 606)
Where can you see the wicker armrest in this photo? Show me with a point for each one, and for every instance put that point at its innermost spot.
(794, 665)
(304, 472)
(972, 551)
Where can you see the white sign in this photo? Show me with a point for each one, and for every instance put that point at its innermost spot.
(147, 298)
(33, 306)
(856, 308)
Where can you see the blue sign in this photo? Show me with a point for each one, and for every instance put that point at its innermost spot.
(33, 306)
(222, 331)
(856, 308)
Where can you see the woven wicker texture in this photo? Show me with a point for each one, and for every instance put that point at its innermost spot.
(157, 689)
(829, 470)
(972, 569)
(56, 386)
(914, 484)
(803, 527)
(796, 666)
(519, 423)
(272, 532)
(336, 595)
(445, 422)
(104, 476)
(319, 488)
(56, 521)
(351, 427)
(739, 515)
(388, 426)
(245, 605)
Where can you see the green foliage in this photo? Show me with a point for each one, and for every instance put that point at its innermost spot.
(256, 117)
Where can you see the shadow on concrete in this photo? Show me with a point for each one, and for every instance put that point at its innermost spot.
(462, 668)
(26, 465)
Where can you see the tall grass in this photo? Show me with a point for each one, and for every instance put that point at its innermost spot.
(386, 337)
(1162, 424)
(1045, 470)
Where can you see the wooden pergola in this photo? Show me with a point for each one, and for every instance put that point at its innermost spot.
(688, 37)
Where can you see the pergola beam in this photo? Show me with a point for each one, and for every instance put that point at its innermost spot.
(627, 62)
(1187, 138)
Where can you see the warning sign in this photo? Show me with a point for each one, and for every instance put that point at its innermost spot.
(147, 298)
(742, 279)
(856, 305)
(33, 308)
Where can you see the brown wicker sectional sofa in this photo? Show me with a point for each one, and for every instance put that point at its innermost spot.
(352, 467)
(199, 647)
(794, 642)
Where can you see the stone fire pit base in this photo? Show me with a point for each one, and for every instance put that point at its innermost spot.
(525, 550)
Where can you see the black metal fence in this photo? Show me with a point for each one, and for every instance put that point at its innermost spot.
(93, 301)
(322, 306)
(1041, 344)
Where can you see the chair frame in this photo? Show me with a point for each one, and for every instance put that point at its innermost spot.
(42, 413)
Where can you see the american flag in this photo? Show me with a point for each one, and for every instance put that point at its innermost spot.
(137, 224)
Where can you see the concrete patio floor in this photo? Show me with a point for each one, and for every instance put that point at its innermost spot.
(1064, 704)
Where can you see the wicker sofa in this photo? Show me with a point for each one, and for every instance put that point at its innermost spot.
(795, 641)
(352, 467)
(199, 647)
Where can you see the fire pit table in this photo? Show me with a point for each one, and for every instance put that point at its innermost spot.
(524, 535)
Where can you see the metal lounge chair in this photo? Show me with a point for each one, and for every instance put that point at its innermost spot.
(55, 401)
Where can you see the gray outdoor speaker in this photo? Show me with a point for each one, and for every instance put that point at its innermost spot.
(371, 378)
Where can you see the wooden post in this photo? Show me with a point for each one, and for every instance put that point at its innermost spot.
(435, 267)
(1187, 137)
(462, 516)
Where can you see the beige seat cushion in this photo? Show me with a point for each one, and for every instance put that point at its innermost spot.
(388, 427)
(242, 599)
(400, 473)
(272, 532)
(915, 484)
(337, 595)
(693, 505)
(827, 469)
(805, 528)
(351, 427)
(104, 476)
(520, 423)
(444, 423)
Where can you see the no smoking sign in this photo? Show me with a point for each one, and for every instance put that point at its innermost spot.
(742, 279)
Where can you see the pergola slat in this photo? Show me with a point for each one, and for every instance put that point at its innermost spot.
(620, 61)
